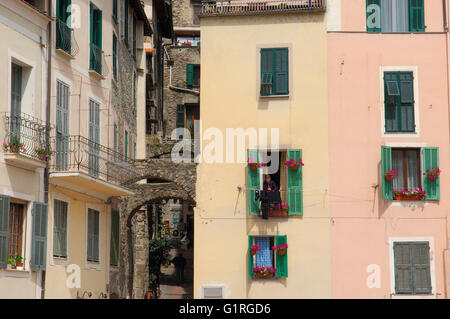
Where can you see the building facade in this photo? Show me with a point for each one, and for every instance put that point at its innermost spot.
(263, 67)
(98, 70)
(388, 106)
(24, 132)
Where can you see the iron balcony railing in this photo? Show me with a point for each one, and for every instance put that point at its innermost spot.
(97, 60)
(65, 38)
(240, 7)
(79, 154)
(25, 135)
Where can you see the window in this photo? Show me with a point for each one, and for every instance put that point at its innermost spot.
(63, 26)
(16, 222)
(126, 23)
(267, 256)
(115, 138)
(60, 228)
(96, 39)
(192, 75)
(135, 90)
(399, 102)
(289, 181)
(115, 11)
(395, 16)
(134, 37)
(94, 138)
(16, 99)
(197, 7)
(410, 165)
(62, 125)
(93, 244)
(406, 162)
(183, 41)
(115, 56)
(114, 254)
(274, 72)
(412, 268)
(126, 145)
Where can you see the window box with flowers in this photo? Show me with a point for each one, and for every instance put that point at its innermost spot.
(403, 171)
(279, 210)
(267, 262)
(294, 164)
(44, 154)
(14, 145)
(254, 164)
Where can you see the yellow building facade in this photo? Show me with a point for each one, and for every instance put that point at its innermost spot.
(236, 93)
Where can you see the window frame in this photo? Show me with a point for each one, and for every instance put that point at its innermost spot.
(273, 72)
(416, 97)
(430, 240)
(21, 229)
(405, 165)
(93, 264)
(61, 257)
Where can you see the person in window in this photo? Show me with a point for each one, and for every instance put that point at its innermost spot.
(269, 185)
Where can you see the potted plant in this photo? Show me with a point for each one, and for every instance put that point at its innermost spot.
(279, 210)
(264, 272)
(11, 263)
(14, 145)
(433, 174)
(254, 164)
(390, 175)
(254, 249)
(19, 262)
(281, 250)
(294, 164)
(44, 154)
(413, 195)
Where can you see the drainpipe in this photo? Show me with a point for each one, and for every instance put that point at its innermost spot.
(47, 119)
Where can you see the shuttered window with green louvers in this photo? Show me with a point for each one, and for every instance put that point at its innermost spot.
(412, 268)
(274, 71)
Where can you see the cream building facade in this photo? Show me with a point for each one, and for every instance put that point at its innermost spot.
(272, 76)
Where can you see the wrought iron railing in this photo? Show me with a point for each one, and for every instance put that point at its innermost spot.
(25, 135)
(65, 38)
(238, 7)
(79, 154)
(97, 60)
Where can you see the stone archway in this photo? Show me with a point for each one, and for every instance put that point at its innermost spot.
(179, 184)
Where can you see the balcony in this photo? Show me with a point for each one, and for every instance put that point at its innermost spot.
(279, 203)
(65, 40)
(246, 7)
(97, 65)
(23, 141)
(81, 164)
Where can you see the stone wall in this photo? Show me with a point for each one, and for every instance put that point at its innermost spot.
(183, 12)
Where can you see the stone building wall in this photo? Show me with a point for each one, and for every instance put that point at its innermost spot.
(183, 12)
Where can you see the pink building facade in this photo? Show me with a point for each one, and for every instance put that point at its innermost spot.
(388, 95)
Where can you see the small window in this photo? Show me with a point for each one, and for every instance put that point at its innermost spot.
(265, 260)
(399, 102)
(60, 229)
(395, 16)
(114, 254)
(412, 268)
(406, 162)
(274, 72)
(16, 223)
(212, 292)
(93, 230)
(193, 75)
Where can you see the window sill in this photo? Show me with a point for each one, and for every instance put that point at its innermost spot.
(65, 54)
(285, 96)
(26, 273)
(405, 296)
(401, 134)
(93, 265)
(400, 203)
(64, 261)
(97, 75)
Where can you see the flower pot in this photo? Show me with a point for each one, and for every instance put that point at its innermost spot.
(14, 149)
(281, 251)
(432, 178)
(253, 252)
(149, 294)
(389, 178)
(406, 198)
(279, 213)
(42, 157)
(253, 167)
(293, 167)
(258, 275)
(19, 266)
(9, 266)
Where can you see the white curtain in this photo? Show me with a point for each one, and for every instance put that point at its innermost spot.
(397, 165)
(394, 15)
(386, 15)
(413, 179)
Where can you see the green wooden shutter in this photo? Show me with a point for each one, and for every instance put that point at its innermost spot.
(267, 75)
(91, 32)
(115, 56)
(295, 185)
(180, 115)
(126, 22)
(60, 228)
(281, 71)
(386, 165)
(114, 252)
(93, 235)
(100, 29)
(416, 16)
(253, 184)
(115, 10)
(281, 261)
(189, 74)
(39, 236)
(420, 256)
(406, 102)
(403, 269)
(4, 229)
(373, 15)
(430, 160)
(250, 258)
